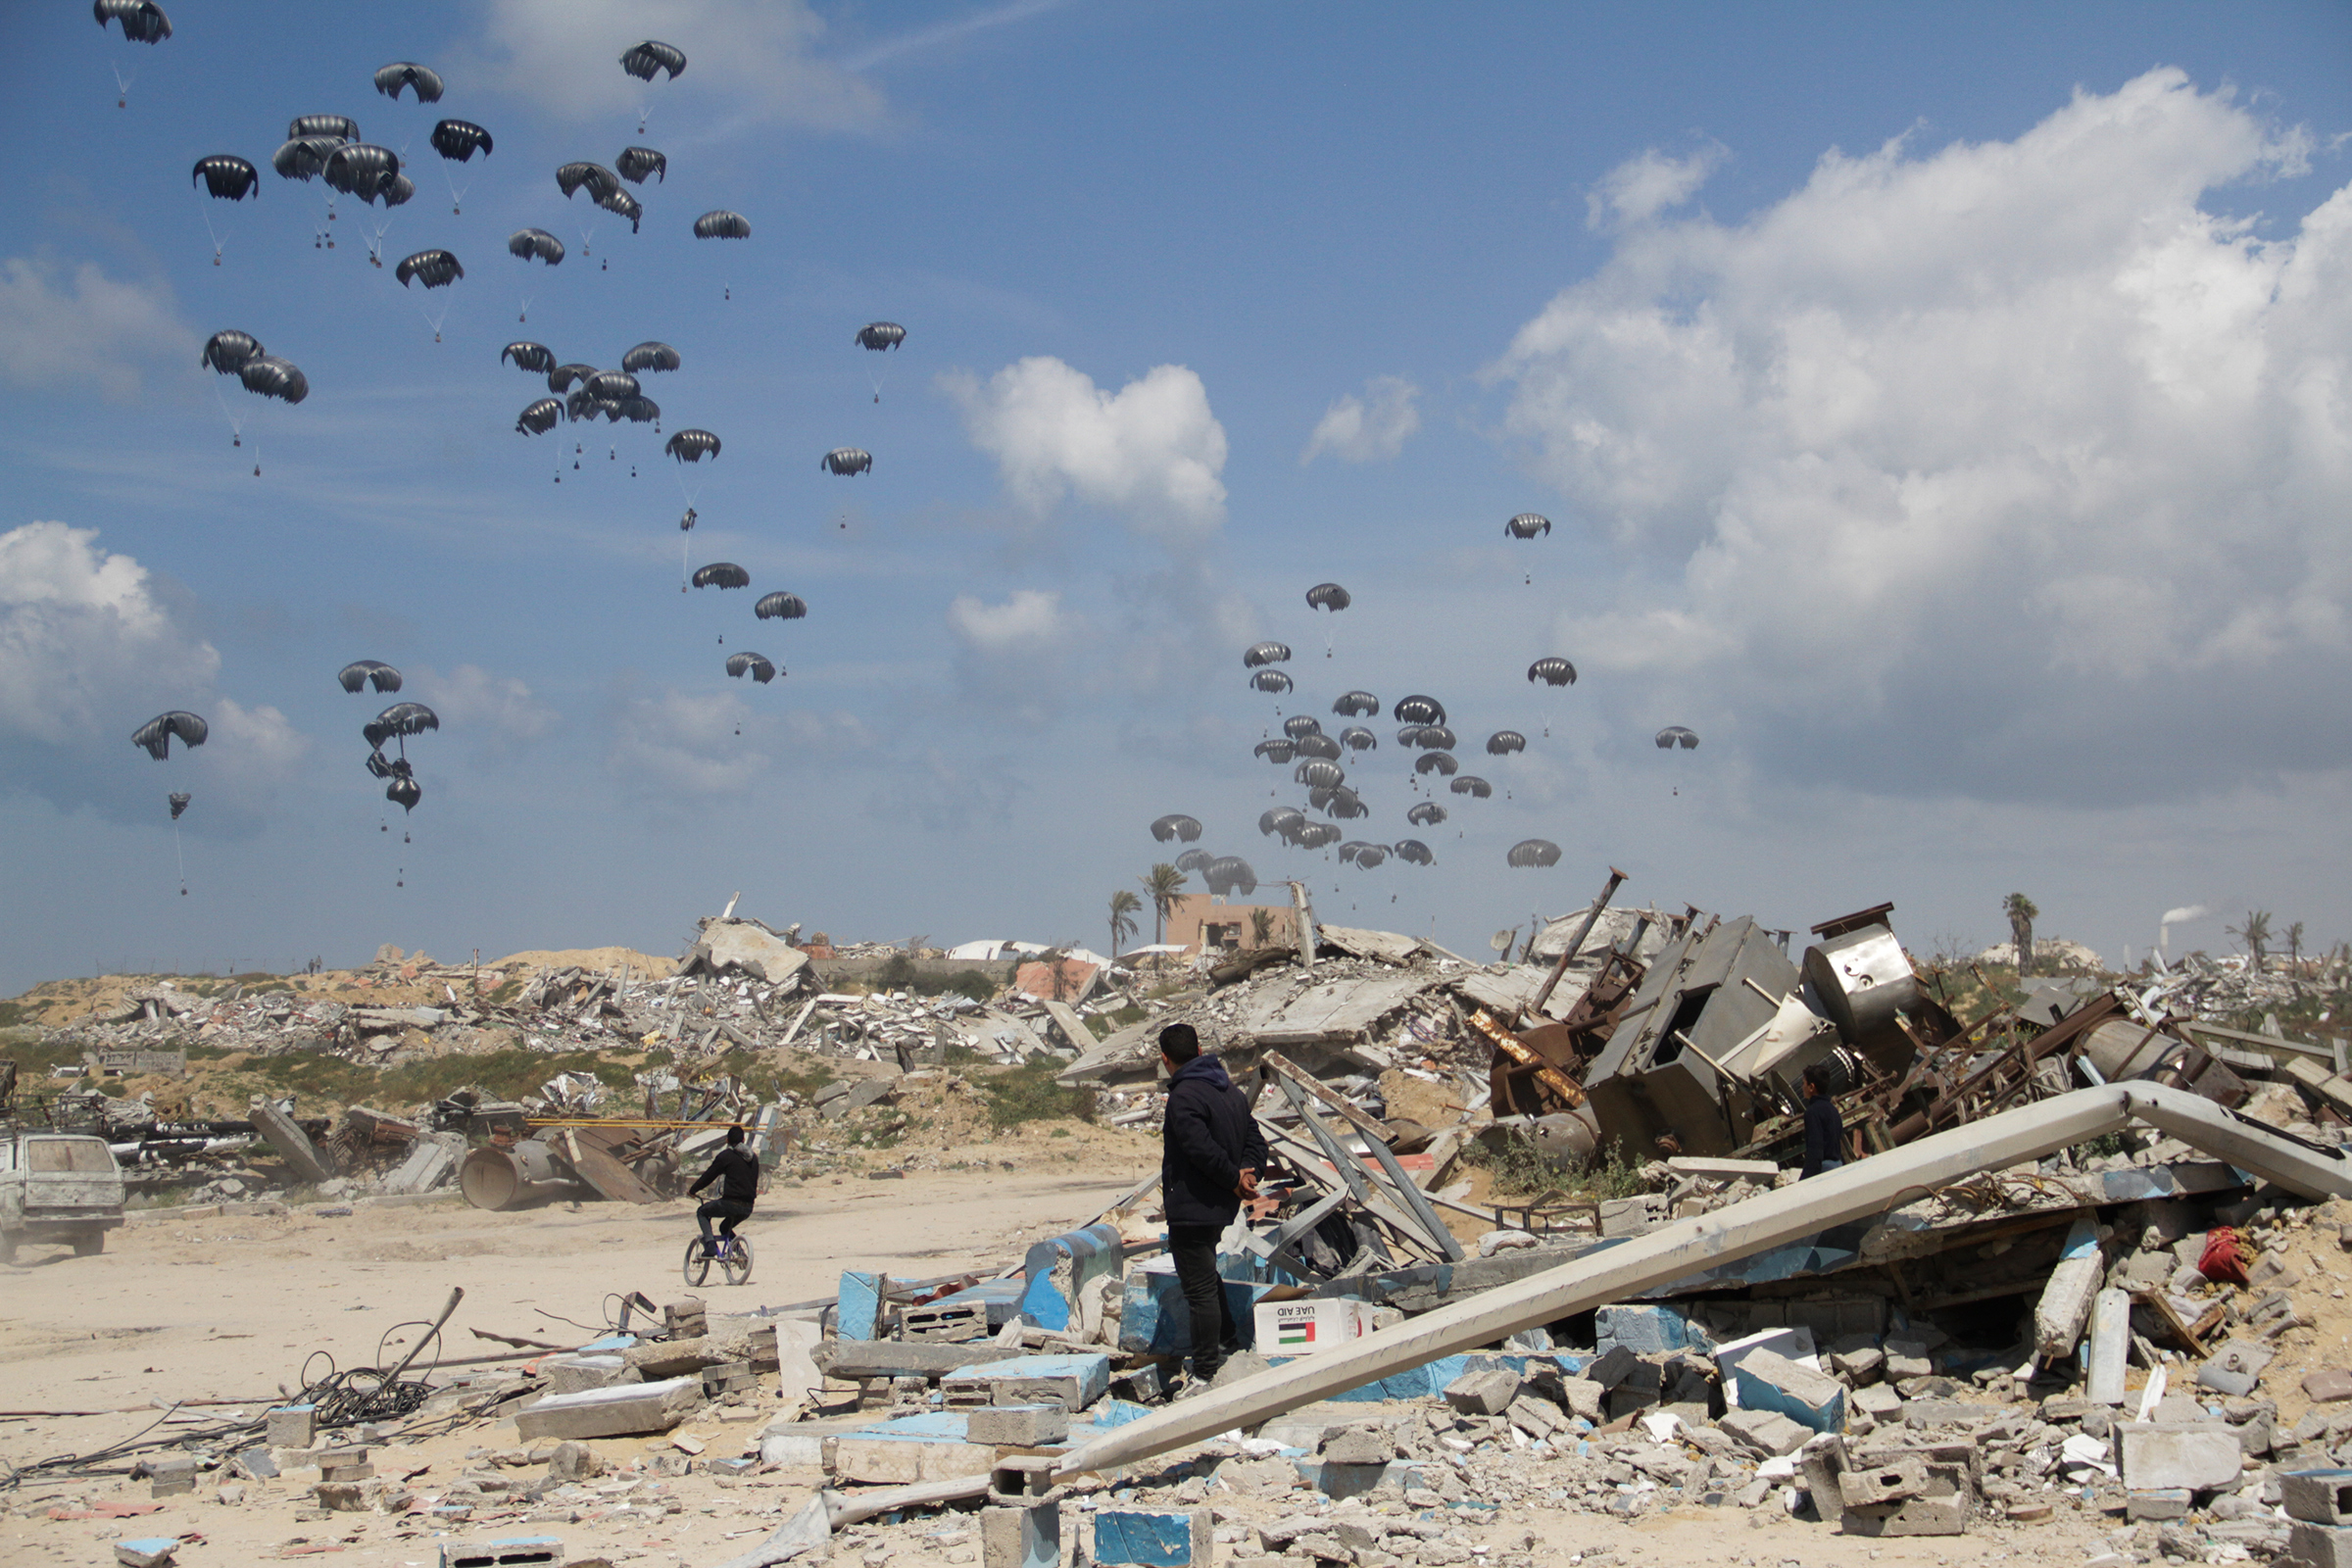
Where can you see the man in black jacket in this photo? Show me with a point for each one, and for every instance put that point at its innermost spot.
(1211, 1153)
(737, 1174)
(1824, 1129)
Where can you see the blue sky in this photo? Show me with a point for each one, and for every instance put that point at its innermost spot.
(1938, 410)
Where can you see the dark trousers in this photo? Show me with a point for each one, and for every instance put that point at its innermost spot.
(725, 1213)
(1194, 1249)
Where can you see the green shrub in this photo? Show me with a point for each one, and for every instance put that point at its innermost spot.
(1028, 1092)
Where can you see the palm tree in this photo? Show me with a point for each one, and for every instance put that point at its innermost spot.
(2021, 912)
(1163, 884)
(1124, 906)
(1261, 926)
(2255, 934)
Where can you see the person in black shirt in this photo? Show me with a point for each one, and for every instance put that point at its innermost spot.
(737, 1174)
(1210, 1155)
(1824, 1129)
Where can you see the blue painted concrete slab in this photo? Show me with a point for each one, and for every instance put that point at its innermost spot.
(1053, 1271)
(1151, 1539)
(1156, 1320)
(858, 1308)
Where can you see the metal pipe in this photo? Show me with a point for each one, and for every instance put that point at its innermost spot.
(1863, 1189)
(1534, 1008)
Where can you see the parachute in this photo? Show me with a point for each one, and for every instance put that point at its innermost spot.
(781, 607)
(1229, 873)
(536, 244)
(1275, 751)
(156, 734)
(846, 461)
(635, 163)
(1271, 680)
(361, 169)
(1674, 735)
(1553, 671)
(596, 176)
(610, 387)
(1356, 704)
(758, 665)
(880, 335)
(272, 377)
(1318, 746)
(1534, 851)
(458, 140)
(1429, 813)
(434, 269)
(692, 446)
(1503, 742)
(179, 803)
(643, 60)
(427, 84)
(560, 378)
(230, 351)
(1341, 801)
(536, 358)
(1527, 525)
(1257, 653)
(1442, 762)
(1298, 725)
(650, 357)
(401, 718)
(1433, 738)
(1281, 821)
(1193, 860)
(303, 157)
(540, 417)
(719, 223)
(404, 792)
(1410, 734)
(621, 201)
(1328, 595)
(1320, 774)
(144, 20)
(1315, 835)
(1366, 856)
(1413, 853)
(1417, 709)
(369, 673)
(1176, 826)
(586, 405)
(721, 575)
(1356, 738)
(396, 192)
(227, 176)
(342, 127)
(1471, 785)
(640, 411)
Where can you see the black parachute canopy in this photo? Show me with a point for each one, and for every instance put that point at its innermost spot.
(719, 223)
(650, 357)
(635, 163)
(458, 140)
(539, 417)
(643, 60)
(369, 673)
(847, 460)
(144, 20)
(596, 176)
(155, 736)
(536, 244)
(536, 358)
(692, 446)
(229, 351)
(721, 575)
(781, 607)
(340, 126)
(269, 377)
(425, 83)
(1176, 826)
(434, 268)
(757, 666)
(227, 176)
(881, 335)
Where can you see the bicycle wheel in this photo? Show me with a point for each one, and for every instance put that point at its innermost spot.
(737, 1261)
(698, 1263)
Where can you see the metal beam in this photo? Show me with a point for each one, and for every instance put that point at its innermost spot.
(1862, 1190)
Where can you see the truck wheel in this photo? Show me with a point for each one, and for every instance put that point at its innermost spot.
(89, 1246)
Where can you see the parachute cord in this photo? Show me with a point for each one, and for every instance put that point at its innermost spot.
(178, 856)
(237, 426)
(210, 232)
(456, 192)
(123, 85)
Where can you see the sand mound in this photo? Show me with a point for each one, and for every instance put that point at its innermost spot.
(640, 964)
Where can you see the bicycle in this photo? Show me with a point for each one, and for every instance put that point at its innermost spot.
(734, 1260)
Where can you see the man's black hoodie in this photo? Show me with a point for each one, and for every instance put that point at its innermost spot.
(1207, 1136)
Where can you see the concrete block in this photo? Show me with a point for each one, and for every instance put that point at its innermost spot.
(1862, 1366)
(2158, 1505)
(895, 1461)
(617, 1412)
(431, 1163)
(2320, 1545)
(1878, 1402)
(575, 1374)
(2110, 1346)
(1919, 1516)
(1021, 1537)
(1023, 1426)
(1647, 1329)
(151, 1552)
(1021, 1478)
(1768, 1381)
(292, 1425)
(511, 1552)
(1819, 1464)
(2064, 1309)
(1072, 1381)
(575, 1461)
(292, 1143)
(1339, 1481)
(1907, 1358)
(1922, 1414)
(1173, 1538)
(1895, 1479)
(1767, 1431)
(342, 1496)
(2318, 1497)
(2328, 1384)
(1483, 1393)
(1358, 1445)
(1797, 1344)
(1584, 1398)
(2165, 1455)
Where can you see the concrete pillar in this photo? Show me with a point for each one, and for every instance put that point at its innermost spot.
(2110, 1344)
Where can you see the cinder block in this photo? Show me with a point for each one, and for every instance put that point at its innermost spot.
(1768, 1431)
(1896, 1480)
(1023, 1426)
(1358, 1445)
(1646, 1329)
(1173, 1538)
(903, 1461)
(1483, 1393)
(1863, 1364)
(2318, 1497)
(2168, 1455)
(1019, 1480)
(617, 1412)
(1878, 1402)
(2320, 1545)
(292, 1425)
(1907, 1358)
(1072, 1381)
(1819, 1464)
(1919, 1516)
(2158, 1503)
(1767, 1381)
(512, 1551)
(1021, 1537)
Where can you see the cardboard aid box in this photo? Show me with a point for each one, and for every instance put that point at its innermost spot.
(1296, 1328)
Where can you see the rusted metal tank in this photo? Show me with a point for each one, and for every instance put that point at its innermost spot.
(514, 1177)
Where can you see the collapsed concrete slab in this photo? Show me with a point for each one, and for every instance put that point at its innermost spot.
(745, 946)
(620, 1410)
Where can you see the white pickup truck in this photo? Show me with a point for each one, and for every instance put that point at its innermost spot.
(57, 1187)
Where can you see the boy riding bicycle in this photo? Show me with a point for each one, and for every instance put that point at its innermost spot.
(737, 1171)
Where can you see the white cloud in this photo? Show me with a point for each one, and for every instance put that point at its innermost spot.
(1371, 429)
(757, 57)
(680, 745)
(250, 751)
(1030, 620)
(1151, 451)
(1649, 183)
(1981, 468)
(497, 713)
(1018, 655)
(88, 331)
